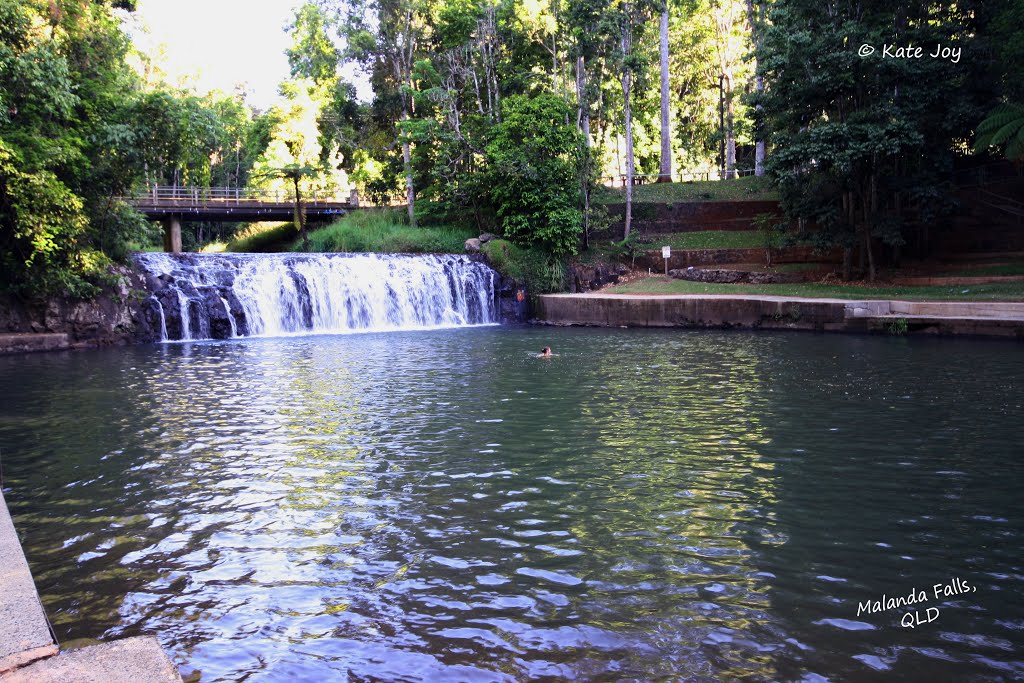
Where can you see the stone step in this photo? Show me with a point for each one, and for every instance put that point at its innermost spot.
(131, 660)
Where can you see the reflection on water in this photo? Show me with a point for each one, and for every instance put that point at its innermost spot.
(444, 506)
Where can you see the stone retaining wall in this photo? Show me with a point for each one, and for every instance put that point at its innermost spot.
(666, 218)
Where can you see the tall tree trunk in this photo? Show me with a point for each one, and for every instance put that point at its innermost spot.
(759, 144)
(582, 100)
(665, 175)
(753, 18)
(410, 193)
(721, 126)
(730, 133)
(300, 215)
(584, 125)
(627, 84)
(872, 211)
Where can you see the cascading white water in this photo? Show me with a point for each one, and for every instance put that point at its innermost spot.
(197, 296)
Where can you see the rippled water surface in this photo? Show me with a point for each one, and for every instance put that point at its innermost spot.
(444, 506)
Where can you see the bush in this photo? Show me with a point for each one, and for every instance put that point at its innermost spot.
(538, 271)
(536, 162)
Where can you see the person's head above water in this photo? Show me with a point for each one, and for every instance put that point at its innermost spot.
(546, 351)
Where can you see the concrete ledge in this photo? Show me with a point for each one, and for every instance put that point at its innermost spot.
(22, 343)
(24, 632)
(132, 660)
(997, 319)
(28, 653)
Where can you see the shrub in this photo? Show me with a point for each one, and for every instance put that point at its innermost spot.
(540, 272)
(536, 159)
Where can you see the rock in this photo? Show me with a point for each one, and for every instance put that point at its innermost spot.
(774, 278)
(725, 276)
(709, 275)
(119, 314)
(583, 278)
(487, 237)
(473, 245)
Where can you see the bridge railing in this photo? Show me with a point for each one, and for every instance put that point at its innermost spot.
(227, 196)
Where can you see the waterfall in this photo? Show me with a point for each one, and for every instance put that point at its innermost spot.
(219, 296)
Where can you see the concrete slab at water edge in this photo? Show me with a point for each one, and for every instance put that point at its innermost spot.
(132, 660)
(1000, 319)
(24, 632)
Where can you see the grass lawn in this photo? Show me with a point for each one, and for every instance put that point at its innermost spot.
(1003, 291)
(705, 239)
(262, 237)
(385, 231)
(747, 187)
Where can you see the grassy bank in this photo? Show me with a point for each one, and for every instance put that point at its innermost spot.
(738, 189)
(384, 231)
(530, 267)
(1003, 291)
(262, 237)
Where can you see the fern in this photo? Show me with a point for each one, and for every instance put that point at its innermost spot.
(1003, 126)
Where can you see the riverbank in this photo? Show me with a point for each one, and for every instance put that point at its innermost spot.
(975, 318)
(28, 651)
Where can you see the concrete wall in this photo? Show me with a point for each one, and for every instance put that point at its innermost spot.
(990, 319)
(691, 311)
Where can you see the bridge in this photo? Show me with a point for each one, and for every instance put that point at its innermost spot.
(172, 205)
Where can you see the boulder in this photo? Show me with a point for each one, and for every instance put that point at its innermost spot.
(473, 245)
(487, 237)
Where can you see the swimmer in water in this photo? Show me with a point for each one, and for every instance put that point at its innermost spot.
(545, 353)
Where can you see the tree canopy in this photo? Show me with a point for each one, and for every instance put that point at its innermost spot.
(506, 114)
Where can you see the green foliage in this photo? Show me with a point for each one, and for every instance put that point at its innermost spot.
(384, 231)
(66, 146)
(630, 247)
(262, 237)
(898, 327)
(1004, 127)
(312, 55)
(861, 142)
(535, 161)
(532, 267)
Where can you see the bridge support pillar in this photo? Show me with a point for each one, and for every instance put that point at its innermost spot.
(172, 234)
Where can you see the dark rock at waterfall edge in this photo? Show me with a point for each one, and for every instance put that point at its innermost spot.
(122, 313)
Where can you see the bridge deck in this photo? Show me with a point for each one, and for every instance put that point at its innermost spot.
(233, 204)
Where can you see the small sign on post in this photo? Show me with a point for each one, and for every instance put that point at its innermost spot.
(666, 252)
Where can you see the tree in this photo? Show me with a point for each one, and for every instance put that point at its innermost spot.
(312, 54)
(535, 159)
(390, 46)
(66, 146)
(630, 19)
(665, 175)
(295, 173)
(860, 143)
